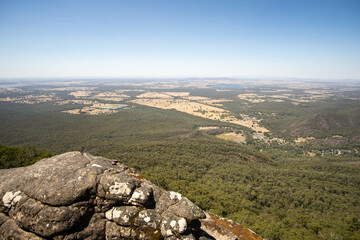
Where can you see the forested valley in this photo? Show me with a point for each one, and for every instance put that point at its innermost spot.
(274, 189)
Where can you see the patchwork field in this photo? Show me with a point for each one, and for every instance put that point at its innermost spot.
(97, 109)
(190, 105)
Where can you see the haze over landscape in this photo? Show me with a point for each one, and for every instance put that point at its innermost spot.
(244, 115)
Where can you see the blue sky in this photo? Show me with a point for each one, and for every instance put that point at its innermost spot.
(180, 38)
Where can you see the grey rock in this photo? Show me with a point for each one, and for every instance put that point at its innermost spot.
(123, 215)
(117, 186)
(142, 196)
(173, 225)
(92, 230)
(167, 199)
(148, 218)
(115, 232)
(60, 180)
(9, 230)
(46, 220)
(187, 209)
(80, 196)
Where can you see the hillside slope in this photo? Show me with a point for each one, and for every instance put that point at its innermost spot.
(326, 124)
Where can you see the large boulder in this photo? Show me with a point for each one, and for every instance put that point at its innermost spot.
(79, 196)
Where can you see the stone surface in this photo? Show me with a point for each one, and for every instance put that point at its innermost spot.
(222, 228)
(80, 196)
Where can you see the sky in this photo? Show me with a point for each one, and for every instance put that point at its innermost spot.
(180, 38)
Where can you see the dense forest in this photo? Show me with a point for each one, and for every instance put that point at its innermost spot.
(26, 155)
(276, 190)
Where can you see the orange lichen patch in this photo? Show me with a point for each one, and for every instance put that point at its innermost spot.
(235, 228)
(135, 174)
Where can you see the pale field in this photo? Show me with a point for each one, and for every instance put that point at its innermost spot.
(319, 92)
(317, 95)
(177, 94)
(199, 110)
(85, 102)
(301, 139)
(79, 94)
(208, 101)
(154, 95)
(110, 94)
(17, 90)
(251, 97)
(95, 109)
(68, 89)
(31, 99)
(130, 90)
(279, 96)
(73, 111)
(111, 99)
(204, 128)
(106, 96)
(196, 98)
(276, 91)
(232, 136)
(215, 102)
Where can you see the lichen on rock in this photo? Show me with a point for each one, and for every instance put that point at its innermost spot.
(80, 196)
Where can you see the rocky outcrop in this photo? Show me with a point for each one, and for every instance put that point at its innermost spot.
(80, 196)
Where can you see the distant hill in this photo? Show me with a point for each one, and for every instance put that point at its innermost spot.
(325, 124)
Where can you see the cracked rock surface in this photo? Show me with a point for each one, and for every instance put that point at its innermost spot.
(80, 196)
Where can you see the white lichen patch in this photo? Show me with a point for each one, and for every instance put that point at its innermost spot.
(173, 223)
(138, 196)
(15, 200)
(109, 214)
(175, 195)
(142, 215)
(179, 226)
(165, 231)
(126, 218)
(96, 165)
(116, 213)
(10, 198)
(169, 233)
(147, 219)
(120, 189)
(182, 225)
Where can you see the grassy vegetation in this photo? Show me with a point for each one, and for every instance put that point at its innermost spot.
(274, 189)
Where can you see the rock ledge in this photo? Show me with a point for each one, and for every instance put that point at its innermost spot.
(80, 196)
